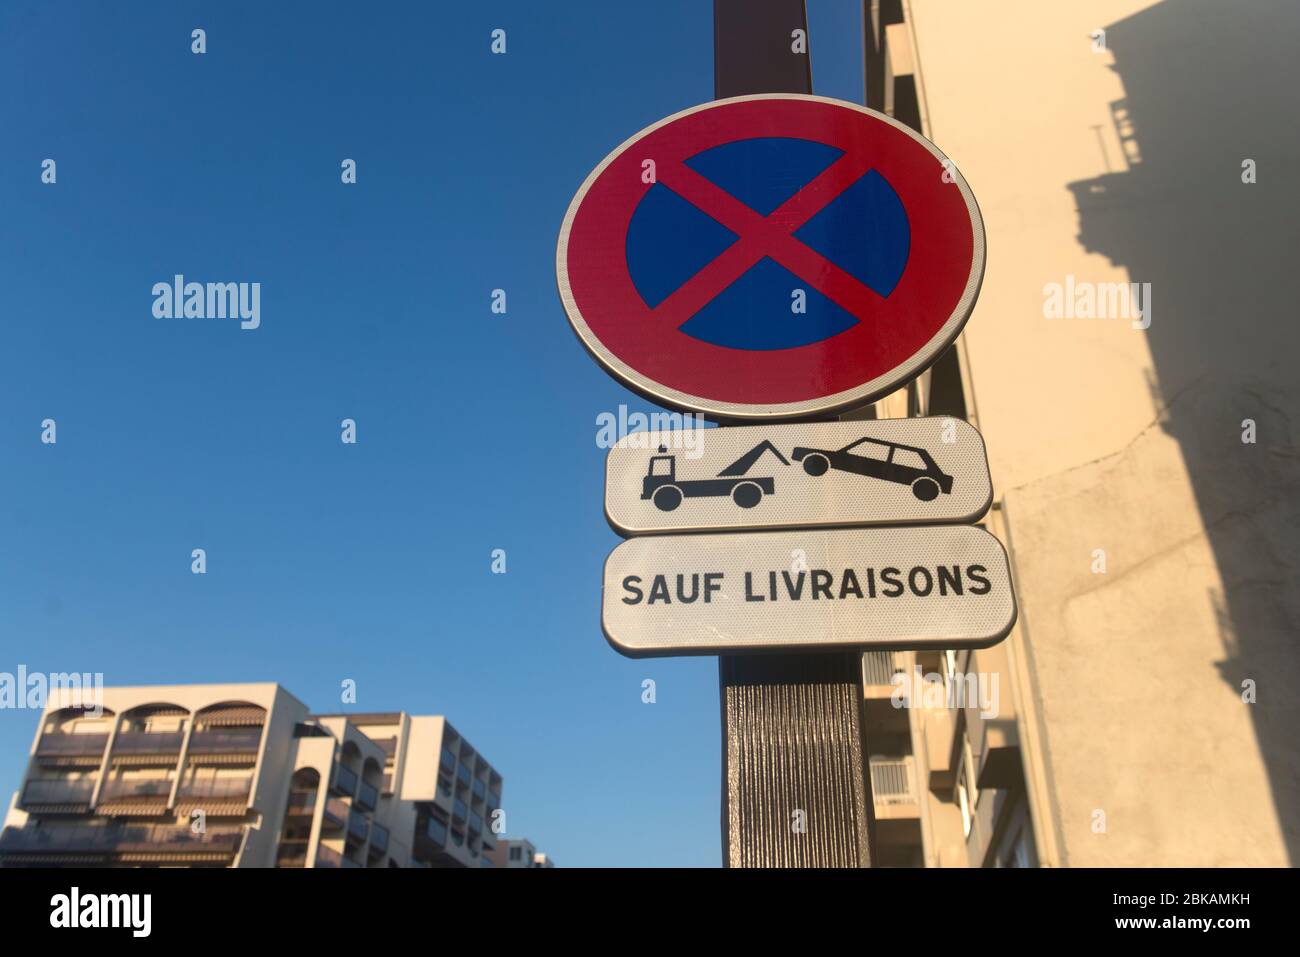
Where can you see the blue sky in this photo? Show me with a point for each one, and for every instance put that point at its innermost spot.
(475, 431)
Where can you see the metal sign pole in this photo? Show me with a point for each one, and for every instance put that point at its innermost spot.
(796, 788)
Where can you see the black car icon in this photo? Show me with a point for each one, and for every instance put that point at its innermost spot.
(875, 458)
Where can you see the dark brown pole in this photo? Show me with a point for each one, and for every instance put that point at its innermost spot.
(796, 789)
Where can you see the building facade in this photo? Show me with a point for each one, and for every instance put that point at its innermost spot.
(246, 776)
(1140, 436)
(519, 853)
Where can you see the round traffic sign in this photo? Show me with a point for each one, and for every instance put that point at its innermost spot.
(770, 256)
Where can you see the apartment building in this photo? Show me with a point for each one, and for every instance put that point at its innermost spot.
(246, 776)
(519, 853)
(1143, 465)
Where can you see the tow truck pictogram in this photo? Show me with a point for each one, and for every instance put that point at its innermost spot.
(662, 487)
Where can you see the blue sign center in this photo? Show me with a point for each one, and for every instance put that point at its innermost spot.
(864, 231)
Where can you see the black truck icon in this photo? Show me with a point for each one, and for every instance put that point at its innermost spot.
(876, 458)
(662, 486)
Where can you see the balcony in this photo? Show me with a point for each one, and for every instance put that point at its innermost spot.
(475, 825)
(892, 791)
(459, 811)
(328, 857)
(154, 838)
(493, 801)
(878, 669)
(131, 789)
(336, 814)
(367, 797)
(479, 790)
(291, 854)
(226, 742)
(147, 742)
(388, 746)
(58, 745)
(436, 831)
(57, 792)
(447, 761)
(136, 839)
(463, 776)
(345, 781)
(378, 840)
(221, 789)
(358, 827)
(301, 804)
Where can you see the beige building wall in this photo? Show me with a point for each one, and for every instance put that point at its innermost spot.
(1123, 163)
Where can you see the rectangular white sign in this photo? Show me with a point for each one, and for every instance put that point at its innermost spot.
(812, 590)
(822, 474)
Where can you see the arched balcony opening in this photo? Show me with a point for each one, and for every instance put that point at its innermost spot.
(299, 812)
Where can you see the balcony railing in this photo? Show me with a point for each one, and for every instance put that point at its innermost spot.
(147, 742)
(367, 796)
(891, 781)
(58, 745)
(358, 826)
(223, 788)
(345, 781)
(378, 838)
(336, 812)
(291, 855)
(154, 788)
(58, 792)
(135, 838)
(878, 668)
(301, 802)
(225, 742)
(166, 837)
(328, 857)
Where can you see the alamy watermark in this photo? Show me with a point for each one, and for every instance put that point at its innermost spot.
(33, 690)
(1098, 300)
(74, 909)
(643, 431)
(970, 690)
(213, 300)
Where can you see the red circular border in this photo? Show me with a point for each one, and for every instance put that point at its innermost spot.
(942, 246)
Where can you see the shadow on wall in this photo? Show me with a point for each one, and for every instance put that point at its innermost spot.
(1209, 86)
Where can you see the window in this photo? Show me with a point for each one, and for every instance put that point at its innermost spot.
(909, 459)
(870, 449)
(514, 853)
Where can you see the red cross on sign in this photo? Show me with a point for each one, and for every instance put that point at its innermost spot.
(685, 257)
